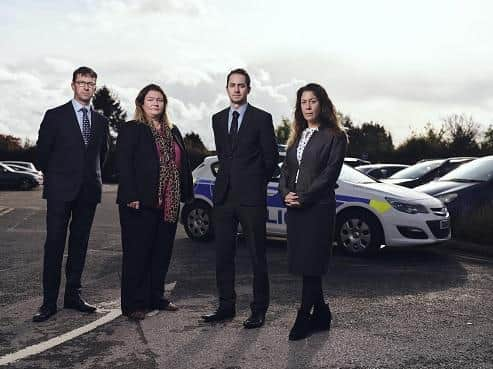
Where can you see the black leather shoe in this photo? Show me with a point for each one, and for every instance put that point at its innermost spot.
(164, 304)
(302, 326)
(78, 303)
(219, 315)
(44, 313)
(255, 320)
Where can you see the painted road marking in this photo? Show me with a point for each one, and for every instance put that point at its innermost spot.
(43, 346)
(5, 211)
(108, 306)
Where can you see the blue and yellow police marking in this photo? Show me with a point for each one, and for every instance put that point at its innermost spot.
(380, 206)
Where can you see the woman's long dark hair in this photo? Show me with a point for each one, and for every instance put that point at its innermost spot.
(327, 117)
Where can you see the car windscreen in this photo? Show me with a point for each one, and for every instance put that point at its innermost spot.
(417, 170)
(476, 170)
(349, 174)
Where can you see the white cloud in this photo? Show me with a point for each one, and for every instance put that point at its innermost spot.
(399, 64)
(137, 7)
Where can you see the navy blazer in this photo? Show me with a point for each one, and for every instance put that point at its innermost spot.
(248, 166)
(138, 165)
(69, 167)
(320, 167)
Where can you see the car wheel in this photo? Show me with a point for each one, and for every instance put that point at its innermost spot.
(25, 184)
(197, 219)
(358, 232)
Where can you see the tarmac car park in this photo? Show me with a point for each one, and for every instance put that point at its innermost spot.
(369, 213)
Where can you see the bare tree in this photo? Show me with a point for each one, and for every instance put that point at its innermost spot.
(462, 134)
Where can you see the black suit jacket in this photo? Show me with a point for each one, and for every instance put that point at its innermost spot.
(69, 167)
(248, 167)
(319, 168)
(138, 165)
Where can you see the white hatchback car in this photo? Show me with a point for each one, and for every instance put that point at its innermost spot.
(369, 213)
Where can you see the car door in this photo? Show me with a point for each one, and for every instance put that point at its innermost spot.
(7, 178)
(276, 211)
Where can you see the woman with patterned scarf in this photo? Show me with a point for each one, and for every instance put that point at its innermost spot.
(154, 176)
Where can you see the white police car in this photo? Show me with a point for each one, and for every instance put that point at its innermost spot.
(369, 213)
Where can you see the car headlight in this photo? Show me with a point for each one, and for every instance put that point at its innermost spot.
(406, 207)
(447, 198)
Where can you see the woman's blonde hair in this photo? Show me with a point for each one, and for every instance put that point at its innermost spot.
(139, 114)
(326, 118)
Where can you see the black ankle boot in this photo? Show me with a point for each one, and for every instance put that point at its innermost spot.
(321, 318)
(301, 328)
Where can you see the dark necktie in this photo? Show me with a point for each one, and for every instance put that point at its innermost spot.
(86, 126)
(233, 131)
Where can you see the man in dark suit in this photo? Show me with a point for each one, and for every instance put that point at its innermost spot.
(72, 146)
(247, 151)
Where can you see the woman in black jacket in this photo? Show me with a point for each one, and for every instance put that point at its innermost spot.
(154, 176)
(314, 158)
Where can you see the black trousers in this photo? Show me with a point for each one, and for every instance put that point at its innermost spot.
(147, 242)
(252, 220)
(80, 214)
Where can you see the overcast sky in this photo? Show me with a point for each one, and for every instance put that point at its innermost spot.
(399, 63)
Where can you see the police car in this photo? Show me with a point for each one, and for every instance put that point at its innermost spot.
(370, 214)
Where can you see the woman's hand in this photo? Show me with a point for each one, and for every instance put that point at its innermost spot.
(291, 200)
(134, 205)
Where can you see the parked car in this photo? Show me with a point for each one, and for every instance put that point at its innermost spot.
(464, 189)
(12, 179)
(379, 171)
(354, 162)
(25, 164)
(425, 171)
(369, 213)
(19, 168)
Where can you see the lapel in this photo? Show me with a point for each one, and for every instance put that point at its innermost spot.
(310, 143)
(73, 122)
(223, 127)
(245, 120)
(94, 125)
(178, 139)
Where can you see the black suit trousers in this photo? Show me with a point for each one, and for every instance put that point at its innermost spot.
(80, 214)
(147, 242)
(252, 220)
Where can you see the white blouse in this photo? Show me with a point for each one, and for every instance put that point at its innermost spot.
(305, 137)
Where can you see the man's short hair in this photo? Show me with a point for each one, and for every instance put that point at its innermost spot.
(239, 71)
(84, 71)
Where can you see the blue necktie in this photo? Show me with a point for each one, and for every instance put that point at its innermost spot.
(86, 126)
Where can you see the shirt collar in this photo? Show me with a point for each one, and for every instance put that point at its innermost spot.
(240, 109)
(77, 105)
(308, 129)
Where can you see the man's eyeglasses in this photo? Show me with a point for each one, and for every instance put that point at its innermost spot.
(85, 84)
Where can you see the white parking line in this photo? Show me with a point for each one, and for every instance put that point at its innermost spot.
(108, 306)
(5, 211)
(43, 346)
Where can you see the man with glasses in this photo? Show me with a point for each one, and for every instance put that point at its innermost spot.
(72, 146)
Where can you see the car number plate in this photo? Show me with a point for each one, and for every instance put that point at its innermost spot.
(444, 224)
